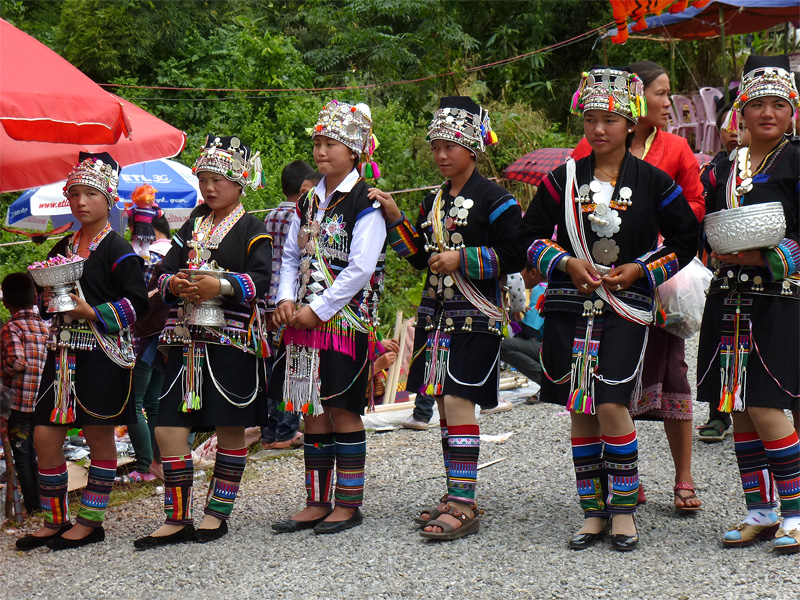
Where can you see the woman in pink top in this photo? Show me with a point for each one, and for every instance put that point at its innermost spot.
(666, 394)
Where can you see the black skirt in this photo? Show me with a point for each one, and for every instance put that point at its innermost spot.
(238, 374)
(343, 380)
(102, 391)
(473, 366)
(773, 365)
(621, 345)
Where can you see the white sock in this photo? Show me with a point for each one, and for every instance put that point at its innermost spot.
(791, 523)
(761, 516)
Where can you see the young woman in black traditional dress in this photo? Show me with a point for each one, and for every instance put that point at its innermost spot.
(464, 237)
(749, 352)
(215, 377)
(603, 269)
(87, 378)
(331, 280)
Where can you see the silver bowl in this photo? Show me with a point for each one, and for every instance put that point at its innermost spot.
(746, 228)
(60, 279)
(206, 313)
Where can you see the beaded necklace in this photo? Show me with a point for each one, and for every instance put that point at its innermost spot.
(208, 237)
(76, 240)
(741, 183)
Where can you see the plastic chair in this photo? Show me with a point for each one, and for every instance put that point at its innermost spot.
(683, 127)
(702, 119)
(712, 143)
(672, 120)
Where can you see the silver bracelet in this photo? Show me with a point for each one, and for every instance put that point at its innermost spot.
(562, 264)
(225, 287)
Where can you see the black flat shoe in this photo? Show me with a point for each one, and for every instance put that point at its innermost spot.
(202, 536)
(581, 541)
(29, 542)
(179, 537)
(336, 526)
(624, 543)
(290, 525)
(97, 534)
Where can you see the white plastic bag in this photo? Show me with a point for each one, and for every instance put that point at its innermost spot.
(683, 298)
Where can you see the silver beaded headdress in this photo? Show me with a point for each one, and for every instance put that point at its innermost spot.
(614, 90)
(764, 76)
(352, 126)
(99, 171)
(461, 120)
(230, 158)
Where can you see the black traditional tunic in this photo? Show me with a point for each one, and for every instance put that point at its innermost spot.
(343, 369)
(457, 345)
(647, 201)
(768, 298)
(113, 284)
(233, 388)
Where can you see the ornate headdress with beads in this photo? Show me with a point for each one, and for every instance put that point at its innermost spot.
(461, 120)
(614, 90)
(763, 76)
(230, 158)
(99, 171)
(350, 124)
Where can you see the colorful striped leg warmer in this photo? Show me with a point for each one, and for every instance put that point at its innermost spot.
(351, 457)
(94, 499)
(445, 450)
(757, 481)
(319, 454)
(784, 462)
(621, 458)
(465, 448)
(53, 491)
(590, 475)
(228, 470)
(178, 479)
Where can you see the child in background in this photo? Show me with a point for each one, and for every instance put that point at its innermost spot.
(22, 358)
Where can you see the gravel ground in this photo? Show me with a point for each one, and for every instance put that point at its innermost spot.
(520, 551)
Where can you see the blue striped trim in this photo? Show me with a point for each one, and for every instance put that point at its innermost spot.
(761, 178)
(677, 192)
(123, 257)
(501, 209)
(367, 210)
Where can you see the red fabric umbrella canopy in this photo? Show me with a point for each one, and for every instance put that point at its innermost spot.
(44, 98)
(533, 167)
(25, 165)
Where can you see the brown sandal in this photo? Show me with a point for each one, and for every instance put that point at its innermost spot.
(469, 525)
(434, 512)
(692, 496)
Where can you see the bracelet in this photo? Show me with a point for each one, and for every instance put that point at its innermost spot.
(225, 287)
(642, 272)
(562, 264)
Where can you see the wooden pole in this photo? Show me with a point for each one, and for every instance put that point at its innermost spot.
(723, 57)
(393, 376)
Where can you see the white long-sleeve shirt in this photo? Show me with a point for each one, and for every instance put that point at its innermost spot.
(369, 234)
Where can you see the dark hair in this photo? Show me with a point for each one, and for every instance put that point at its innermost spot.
(161, 225)
(529, 266)
(314, 177)
(647, 70)
(201, 210)
(293, 175)
(18, 290)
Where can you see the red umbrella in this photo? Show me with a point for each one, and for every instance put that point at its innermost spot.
(25, 165)
(533, 167)
(44, 98)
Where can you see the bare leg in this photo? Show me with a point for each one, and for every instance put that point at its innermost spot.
(679, 436)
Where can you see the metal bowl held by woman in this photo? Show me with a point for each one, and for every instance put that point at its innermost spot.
(207, 312)
(59, 279)
(746, 228)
